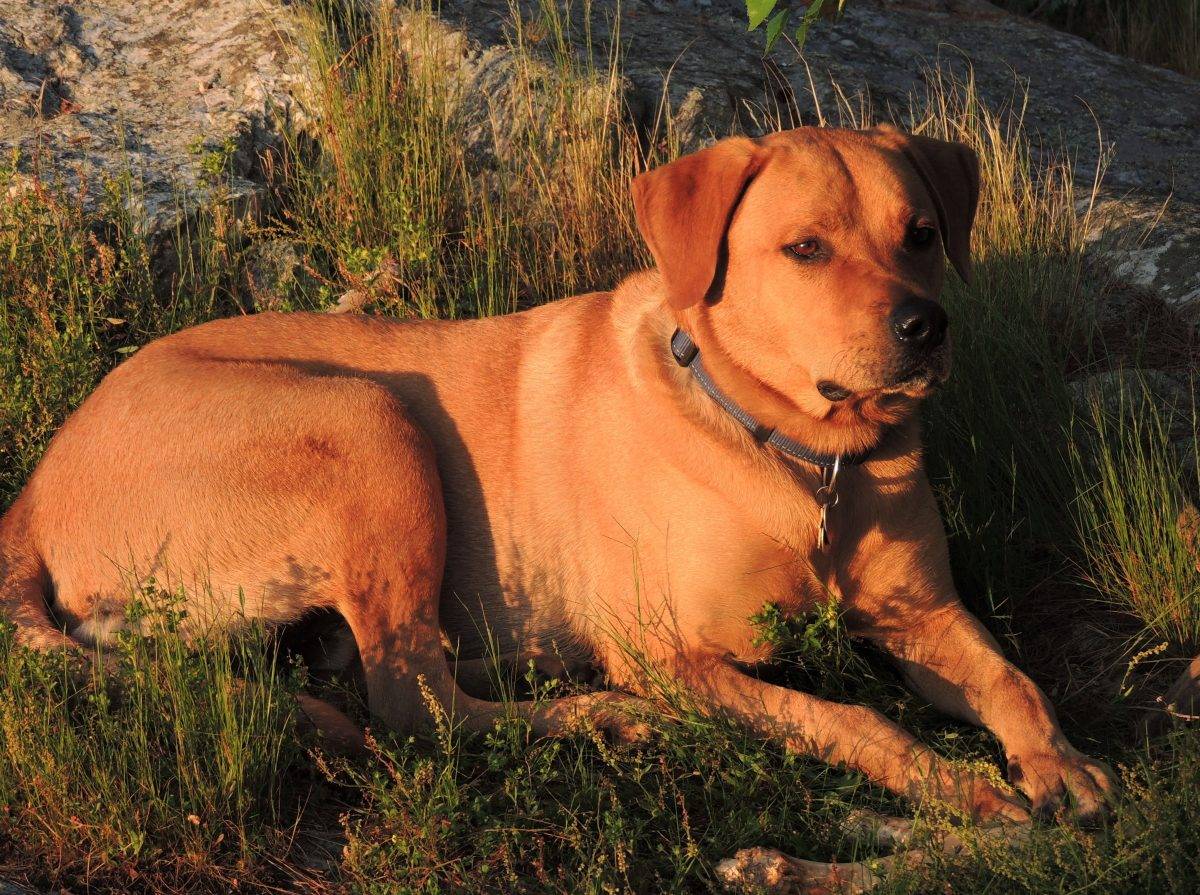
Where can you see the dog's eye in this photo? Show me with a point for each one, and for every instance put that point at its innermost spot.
(921, 236)
(805, 249)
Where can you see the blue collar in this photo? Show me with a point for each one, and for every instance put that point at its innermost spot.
(686, 354)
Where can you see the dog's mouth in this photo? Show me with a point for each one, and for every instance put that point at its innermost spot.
(914, 379)
(920, 376)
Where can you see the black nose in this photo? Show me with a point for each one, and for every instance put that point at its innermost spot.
(919, 323)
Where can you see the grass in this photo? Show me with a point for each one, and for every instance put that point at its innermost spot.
(1137, 547)
(408, 207)
(1026, 325)
(1161, 32)
(180, 768)
(173, 764)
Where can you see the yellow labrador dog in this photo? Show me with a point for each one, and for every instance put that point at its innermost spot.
(734, 428)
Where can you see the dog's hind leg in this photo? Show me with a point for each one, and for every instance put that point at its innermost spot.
(23, 584)
(395, 537)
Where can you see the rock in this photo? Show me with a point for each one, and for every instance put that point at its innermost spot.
(495, 90)
(92, 90)
(275, 270)
(1120, 391)
(1138, 392)
(1152, 244)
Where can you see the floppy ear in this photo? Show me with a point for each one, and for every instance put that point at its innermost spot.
(683, 210)
(950, 172)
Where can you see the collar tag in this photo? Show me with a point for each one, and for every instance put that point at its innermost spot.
(827, 498)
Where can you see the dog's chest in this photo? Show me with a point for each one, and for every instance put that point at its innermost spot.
(568, 586)
(757, 577)
(709, 574)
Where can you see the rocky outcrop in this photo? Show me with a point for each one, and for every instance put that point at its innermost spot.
(92, 90)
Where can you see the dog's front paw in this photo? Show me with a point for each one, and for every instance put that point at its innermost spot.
(985, 802)
(1063, 778)
(974, 795)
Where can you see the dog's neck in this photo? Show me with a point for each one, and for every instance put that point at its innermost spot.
(853, 428)
(687, 354)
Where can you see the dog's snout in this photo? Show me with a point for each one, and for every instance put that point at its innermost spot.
(919, 323)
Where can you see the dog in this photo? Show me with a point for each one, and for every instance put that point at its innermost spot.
(648, 467)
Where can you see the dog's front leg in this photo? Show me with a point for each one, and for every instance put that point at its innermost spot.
(850, 735)
(951, 660)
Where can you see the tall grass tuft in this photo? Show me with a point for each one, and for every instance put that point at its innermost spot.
(173, 762)
(1134, 518)
(1160, 32)
(438, 201)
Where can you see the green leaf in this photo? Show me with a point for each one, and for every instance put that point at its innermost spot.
(810, 16)
(758, 10)
(775, 27)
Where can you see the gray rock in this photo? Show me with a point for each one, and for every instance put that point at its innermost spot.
(495, 90)
(1124, 391)
(1137, 393)
(1152, 244)
(275, 270)
(92, 90)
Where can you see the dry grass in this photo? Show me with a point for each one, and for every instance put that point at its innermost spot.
(474, 202)
(1160, 32)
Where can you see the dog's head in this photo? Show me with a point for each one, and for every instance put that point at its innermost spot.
(811, 260)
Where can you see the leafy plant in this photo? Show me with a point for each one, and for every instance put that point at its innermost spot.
(778, 14)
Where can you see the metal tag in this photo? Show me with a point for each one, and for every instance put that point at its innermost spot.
(827, 497)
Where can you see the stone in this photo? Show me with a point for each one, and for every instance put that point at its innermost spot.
(1152, 244)
(276, 269)
(1140, 392)
(1119, 391)
(95, 90)
(495, 91)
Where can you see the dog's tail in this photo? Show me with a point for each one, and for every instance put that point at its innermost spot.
(24, 580)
